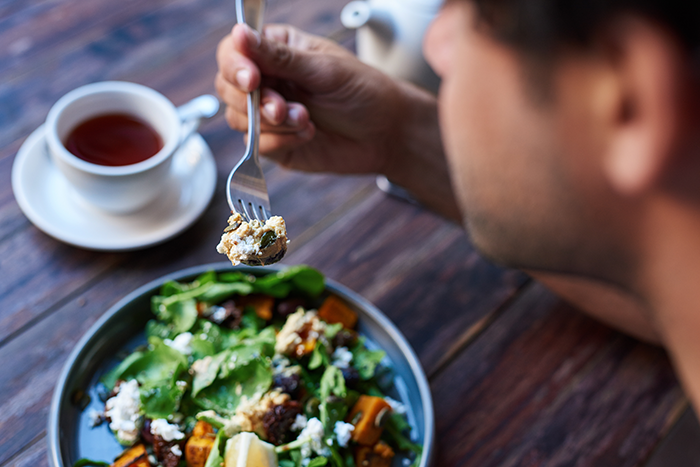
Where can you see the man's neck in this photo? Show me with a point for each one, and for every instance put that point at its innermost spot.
(671, 285)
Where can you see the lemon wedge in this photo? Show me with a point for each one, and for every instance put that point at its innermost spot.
(247, 450)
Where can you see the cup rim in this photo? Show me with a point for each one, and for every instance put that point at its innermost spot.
(58, 149)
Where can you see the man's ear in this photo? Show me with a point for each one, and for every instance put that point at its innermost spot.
(649, 115)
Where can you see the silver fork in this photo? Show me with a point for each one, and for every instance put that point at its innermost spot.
(247, 190)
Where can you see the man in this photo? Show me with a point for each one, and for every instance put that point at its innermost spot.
(570, 138)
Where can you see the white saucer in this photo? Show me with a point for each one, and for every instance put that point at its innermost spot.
(51, 204)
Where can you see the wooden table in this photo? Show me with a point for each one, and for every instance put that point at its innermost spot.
(518, 377)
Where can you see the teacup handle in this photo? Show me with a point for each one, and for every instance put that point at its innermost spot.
(192, 113)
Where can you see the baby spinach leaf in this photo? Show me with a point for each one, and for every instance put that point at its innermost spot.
(224, 395)
(211, 365)
(162, 399)
(303, 279)
(318, 462)
(216, 455)
(158, 363)
(219, 291)
(319, 357)
(201, 348)
(365, 361)
(85, 462)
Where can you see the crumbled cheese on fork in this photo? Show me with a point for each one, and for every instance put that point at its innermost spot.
(254, 243)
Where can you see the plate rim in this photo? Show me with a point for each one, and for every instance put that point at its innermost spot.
(25, 153)
(53, 434)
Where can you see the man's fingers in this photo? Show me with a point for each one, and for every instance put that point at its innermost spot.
(272, 57)
(239, 122)
(281, 147)
(235, 68)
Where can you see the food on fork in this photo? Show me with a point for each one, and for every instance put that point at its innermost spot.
(254, 243)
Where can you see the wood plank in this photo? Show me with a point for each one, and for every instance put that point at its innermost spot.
(546, 385)
(145, 43)
(34, 455)
(681, 448)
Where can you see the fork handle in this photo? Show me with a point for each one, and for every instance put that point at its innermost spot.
(250, 12)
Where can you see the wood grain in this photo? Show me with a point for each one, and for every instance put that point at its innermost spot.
(545, 385)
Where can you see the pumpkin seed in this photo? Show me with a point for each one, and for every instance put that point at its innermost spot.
(267, 239)
(232, 227)
(382, 417)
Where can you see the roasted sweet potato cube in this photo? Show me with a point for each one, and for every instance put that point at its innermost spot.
(368, 415)
(379, 455)
(202, 428)
(333, 311)
(197, 450)
(136, 456)
(262, 304)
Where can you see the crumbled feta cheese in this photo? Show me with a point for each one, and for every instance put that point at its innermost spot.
(218, 314)
(299, 423)
(396, 406)
(95, 418)
(176, 450)
(167, 431)
(123, 412)
(343, 432)
(181, 343)
(341, 357)
(313, 434)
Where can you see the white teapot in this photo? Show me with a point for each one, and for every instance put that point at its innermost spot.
(390, 36)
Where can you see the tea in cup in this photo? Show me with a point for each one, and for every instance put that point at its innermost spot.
(114, 141)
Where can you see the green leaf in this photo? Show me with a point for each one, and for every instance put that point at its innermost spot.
(161, 400)
(159, 329)
(110, 379)
(85, 462)
(332, 382)
(220, 291)
(207, 277)
(179, 311)
(205, 379)
(332, 330)
(251, 320)
(287, 463)
(365, 361)
(302, 279)
(394, 429)
(319, 357)
(216, 455)
(201, 348)
(250, 380)
(317, 462)
(236, 276)
(157, 364)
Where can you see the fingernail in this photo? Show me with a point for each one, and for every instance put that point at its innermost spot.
(253, 36)
(243, 78)
(293, 116)
(269, 111)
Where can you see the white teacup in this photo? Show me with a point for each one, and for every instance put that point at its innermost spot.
(127, 188)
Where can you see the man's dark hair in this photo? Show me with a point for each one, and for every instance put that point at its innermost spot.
(541, 27)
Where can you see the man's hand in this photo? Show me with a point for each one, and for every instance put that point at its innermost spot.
(321, 108)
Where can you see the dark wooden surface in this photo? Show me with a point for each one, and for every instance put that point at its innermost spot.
(518, 377)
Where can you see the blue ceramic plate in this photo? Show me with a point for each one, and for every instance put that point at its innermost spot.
(120, 329)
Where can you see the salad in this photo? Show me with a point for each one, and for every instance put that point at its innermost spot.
(246, 371)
